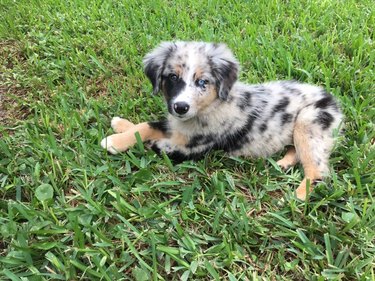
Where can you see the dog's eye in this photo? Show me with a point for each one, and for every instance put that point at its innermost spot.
(202, 83)
(173, 77)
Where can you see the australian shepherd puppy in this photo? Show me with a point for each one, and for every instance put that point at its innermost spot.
(209, 109)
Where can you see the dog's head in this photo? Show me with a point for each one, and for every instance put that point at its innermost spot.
(191, 75)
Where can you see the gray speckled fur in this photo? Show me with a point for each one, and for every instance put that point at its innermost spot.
(247, 120)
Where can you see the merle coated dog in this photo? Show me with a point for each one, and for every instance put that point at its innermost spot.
(209, 109)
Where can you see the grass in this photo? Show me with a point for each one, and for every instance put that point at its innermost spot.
(70, 211)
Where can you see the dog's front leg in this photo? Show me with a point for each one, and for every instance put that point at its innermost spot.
(175, 146)
(123, 141)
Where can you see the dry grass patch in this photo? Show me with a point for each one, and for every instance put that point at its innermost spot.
(13, 96)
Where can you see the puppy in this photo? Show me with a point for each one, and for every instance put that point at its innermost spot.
(209, 109)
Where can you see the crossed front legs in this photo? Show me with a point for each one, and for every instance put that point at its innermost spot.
(125, 135)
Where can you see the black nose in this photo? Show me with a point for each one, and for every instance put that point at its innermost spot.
(181, 107)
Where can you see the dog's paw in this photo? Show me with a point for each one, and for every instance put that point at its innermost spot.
(107, 143)
(284, 164)
(301, 191)
(120, 125)
(304, 187)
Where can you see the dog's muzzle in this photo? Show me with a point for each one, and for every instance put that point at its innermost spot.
(181, 108)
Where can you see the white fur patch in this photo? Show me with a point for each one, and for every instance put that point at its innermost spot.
(107, 144)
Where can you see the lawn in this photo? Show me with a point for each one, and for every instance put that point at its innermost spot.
(70, 211)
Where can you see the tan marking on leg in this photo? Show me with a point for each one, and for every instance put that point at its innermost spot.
(304, 152)
(289, 160)
(178, 138)
(120, 125)
(301, 191)
(123, 141)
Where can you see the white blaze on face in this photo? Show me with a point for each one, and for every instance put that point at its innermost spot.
(189, 94)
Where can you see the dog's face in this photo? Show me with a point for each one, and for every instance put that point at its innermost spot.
(191, 75)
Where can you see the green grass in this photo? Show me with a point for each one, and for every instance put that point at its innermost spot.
(70, 211)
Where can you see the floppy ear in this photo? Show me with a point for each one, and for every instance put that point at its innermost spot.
(224, 67)
(155, 62)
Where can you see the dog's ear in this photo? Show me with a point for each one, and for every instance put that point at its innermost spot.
(224, 67)
(154, 63)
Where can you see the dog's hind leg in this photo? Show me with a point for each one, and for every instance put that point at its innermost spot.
(313, 141)
(309, 162)
(289, 160)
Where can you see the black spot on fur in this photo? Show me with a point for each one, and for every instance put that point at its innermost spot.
(178, 156)
(154, 67)
(325, 119)
(286, 118)
(200, 140)
(259, 89)
(172, 89)
(263, 127)
(327, 101)
(295, 91)
(225, 73)
(245, 101)
(288, 86)
(237, 139)
(281, 106)
(155, 148)
(162, 125)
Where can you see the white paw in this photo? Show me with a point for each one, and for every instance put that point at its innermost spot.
(107, 144)
(120, 125)
(114, 122)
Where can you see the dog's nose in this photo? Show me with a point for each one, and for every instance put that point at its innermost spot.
(181, 107)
